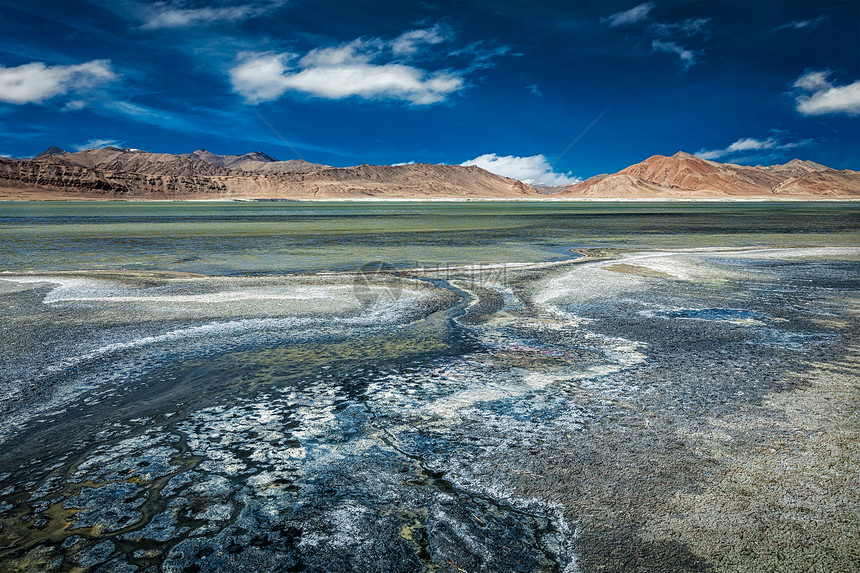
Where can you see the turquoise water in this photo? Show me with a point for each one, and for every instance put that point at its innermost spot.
(253, 238)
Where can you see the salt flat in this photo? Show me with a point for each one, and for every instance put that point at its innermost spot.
(673, 385)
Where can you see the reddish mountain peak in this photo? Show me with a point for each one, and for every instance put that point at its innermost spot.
(671, 170)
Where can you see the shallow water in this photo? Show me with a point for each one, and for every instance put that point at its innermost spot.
(482, 417)
(242, 238)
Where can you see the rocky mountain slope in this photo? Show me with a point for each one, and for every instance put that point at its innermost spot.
(256, 162)
(114, 173)
(687, 176)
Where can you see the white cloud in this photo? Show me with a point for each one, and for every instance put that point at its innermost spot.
(260, 77)
(812, 81)
(818, 96)
(336, 75)
(175, 15)
(74, 104)
(410, 42)
(534, 89)
(533, 170)
(635, 14)
(98, 144)
(802, 24)
(403, 163)
(36, 82)
(687, 57)
(747, 144)
(370, 68)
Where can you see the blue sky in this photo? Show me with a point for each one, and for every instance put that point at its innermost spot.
(543, 91)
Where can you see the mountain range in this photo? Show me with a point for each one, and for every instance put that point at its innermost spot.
(685, 176)
(117, 173)
(125, 173)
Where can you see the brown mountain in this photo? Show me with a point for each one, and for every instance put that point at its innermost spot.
(115, 173)
(200, 162)
(685, 176)
(134, 161)
(829, 182)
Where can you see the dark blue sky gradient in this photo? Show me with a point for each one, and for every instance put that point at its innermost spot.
(172, 89)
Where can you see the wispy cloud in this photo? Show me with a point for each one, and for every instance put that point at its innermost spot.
(670, 35)
(802, 24)
(687, 57)
(481, 55)
(409, 43)
(534, 89)
(688, 27)
(751, 144)
(74, 105)
(98, 144)
(368, 68)
(631, 16)
(38, 82)
(204, 121)
(817, 95)
(533, 170)
(150, 115)
(666, 37)
(220, 123)
(176, 14)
